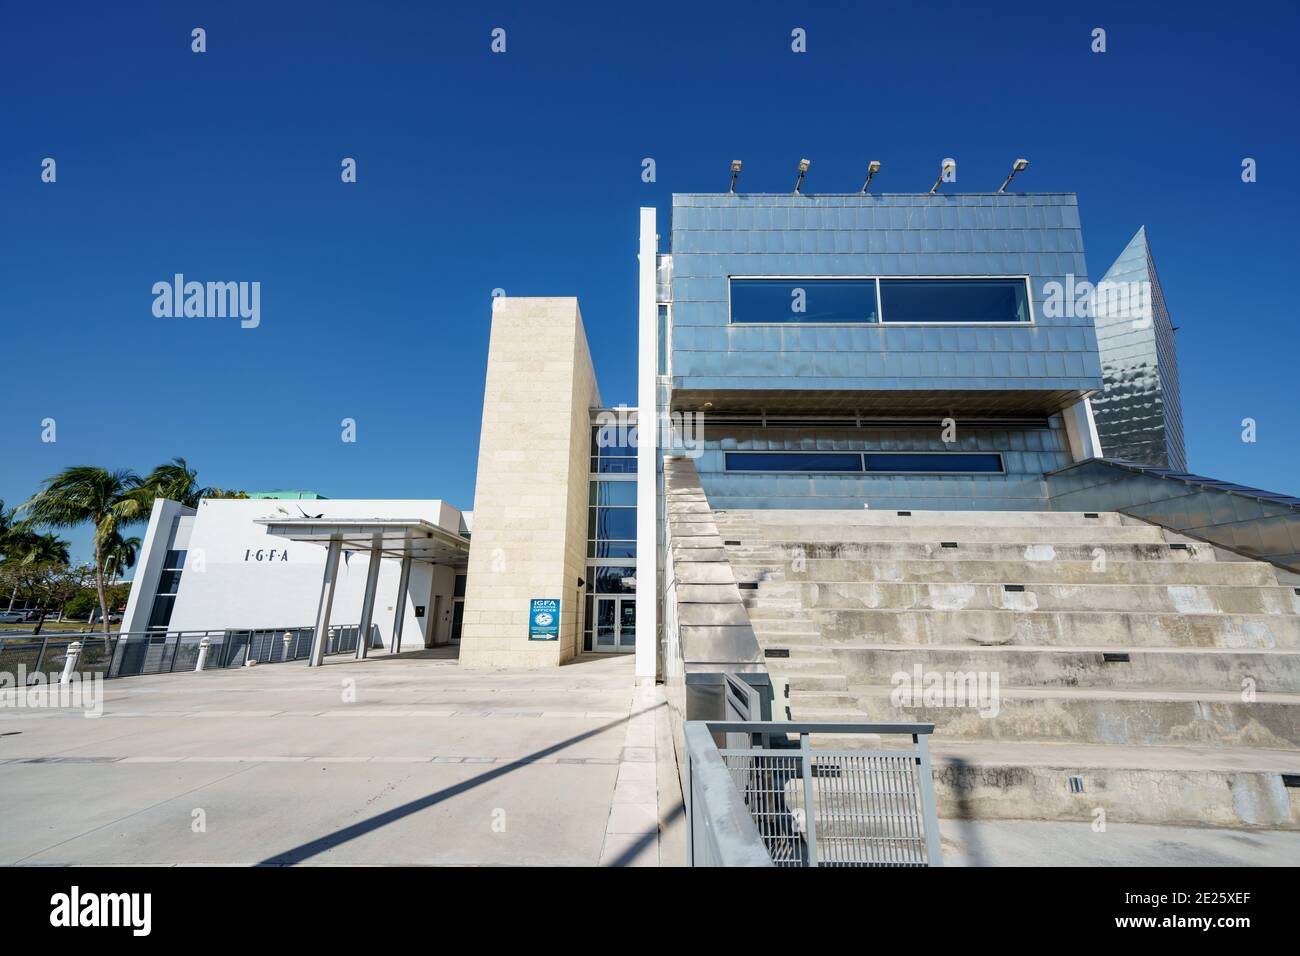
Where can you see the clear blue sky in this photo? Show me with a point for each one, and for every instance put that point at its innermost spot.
(523, 171)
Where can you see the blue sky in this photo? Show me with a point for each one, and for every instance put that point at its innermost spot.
(523, 171)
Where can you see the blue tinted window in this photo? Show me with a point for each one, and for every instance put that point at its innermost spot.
(611, 549)
(954, 300)
(803, 300)
(940, 462)
(793, 461)
(612, 523)
(612, 493)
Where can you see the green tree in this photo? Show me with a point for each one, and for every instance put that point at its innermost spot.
(119, 555)
(177, 481)
(107, 500)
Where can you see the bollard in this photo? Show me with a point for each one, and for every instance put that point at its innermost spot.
(288, 642)
(70, 662)
(203, 653)
(329, 642)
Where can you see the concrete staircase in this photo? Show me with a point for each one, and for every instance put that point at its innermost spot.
(1124, 676)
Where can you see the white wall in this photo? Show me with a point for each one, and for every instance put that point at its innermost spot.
(238, 576)
(158, 537)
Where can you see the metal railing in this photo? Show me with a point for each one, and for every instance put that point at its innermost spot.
(1256, 524)
(763, 800)
(136, 653)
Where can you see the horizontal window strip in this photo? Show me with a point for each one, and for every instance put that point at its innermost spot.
(869, 462)
(865, 301)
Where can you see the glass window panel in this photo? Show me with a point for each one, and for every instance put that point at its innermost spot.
(954, 300)
(803, 300)
(611, 549)
(940, 462)
(615, 580)
(618, 466)
(614, 493)
(169, 582)
(161, 612)
(793, 461)
(615, 523)
(174, 559)
(458, 588)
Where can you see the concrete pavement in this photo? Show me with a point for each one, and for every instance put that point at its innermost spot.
(394, 760)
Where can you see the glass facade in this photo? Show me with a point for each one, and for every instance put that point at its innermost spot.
(609, 612)
(169, 585)
(1139, 413)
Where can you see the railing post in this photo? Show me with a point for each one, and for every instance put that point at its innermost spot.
(929, 810)
(203, 653)
(40, 655)
(288, 642)
(809, 809)
(70, 662)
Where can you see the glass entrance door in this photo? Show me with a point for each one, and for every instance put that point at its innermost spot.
(614, 627)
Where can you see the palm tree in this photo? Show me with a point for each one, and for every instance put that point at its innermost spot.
(119, 554)
(177, 481)
(20, 544)
(108, 500)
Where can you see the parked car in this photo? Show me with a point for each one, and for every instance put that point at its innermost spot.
(12, 617)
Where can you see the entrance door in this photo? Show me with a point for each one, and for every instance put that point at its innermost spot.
(614, 627)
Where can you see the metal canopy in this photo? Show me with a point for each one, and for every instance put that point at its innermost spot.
(416, 538)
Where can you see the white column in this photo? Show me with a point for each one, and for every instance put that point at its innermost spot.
(328, 582)
(399, 616)
(368, 602)
(431, 628)
(1081, 430)
(647, 583)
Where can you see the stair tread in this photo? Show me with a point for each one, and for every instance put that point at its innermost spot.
(912, 649)
(1078, 756)
(1092, 693)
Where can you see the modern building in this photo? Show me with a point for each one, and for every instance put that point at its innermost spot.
(827, 351)
(258, 565)
(1139, 412)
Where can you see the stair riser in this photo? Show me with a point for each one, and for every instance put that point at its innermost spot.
(938, 570)
(814, 534)
(776, 599)
(1059, 628)
(773, 519)
(886, 551)
(1173, 797)
(1112, 721)
(1217, 672)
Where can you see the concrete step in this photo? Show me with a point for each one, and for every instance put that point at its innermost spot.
(1218, 669)
(1085, 715)
(756, 550)
(1191, 786)
(776, 599)
(808, 534)
(817, 682)
(1055, 628)
(869, 517)
(941, 569)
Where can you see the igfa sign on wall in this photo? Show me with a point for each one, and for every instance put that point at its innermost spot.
(544, 619)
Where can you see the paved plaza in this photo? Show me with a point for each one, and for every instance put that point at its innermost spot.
(395, 760)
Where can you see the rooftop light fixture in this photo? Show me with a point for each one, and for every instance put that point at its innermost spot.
(803, 171)
(873, 167)
(1019, 166)
(943, 168)
(735, 174)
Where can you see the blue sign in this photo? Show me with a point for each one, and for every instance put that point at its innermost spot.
(544, 619)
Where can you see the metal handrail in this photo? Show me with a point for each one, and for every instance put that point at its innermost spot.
(121, 659)
(877, 810)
